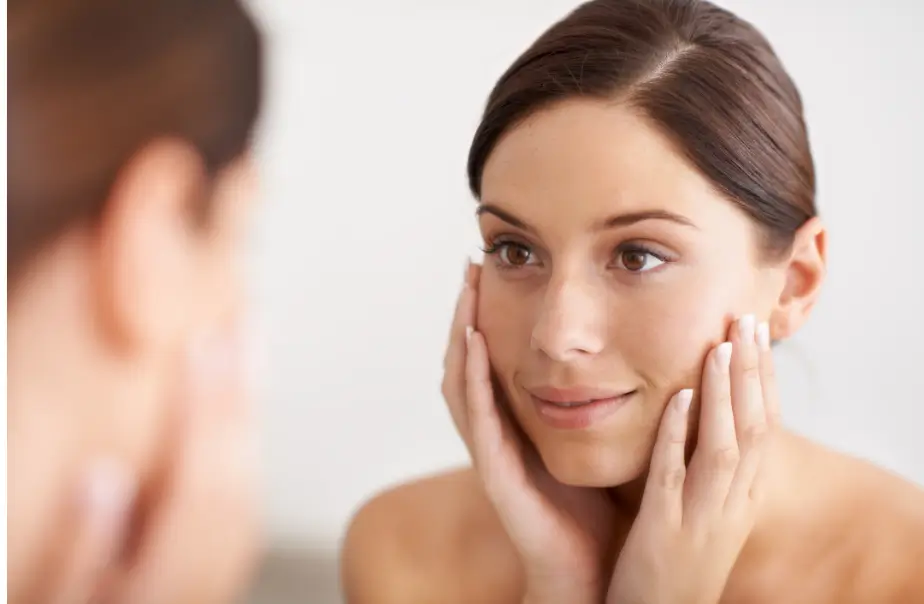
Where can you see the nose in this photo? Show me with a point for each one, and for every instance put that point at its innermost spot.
(572, 321)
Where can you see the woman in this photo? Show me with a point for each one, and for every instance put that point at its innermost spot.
(646, 197)
(129, 437)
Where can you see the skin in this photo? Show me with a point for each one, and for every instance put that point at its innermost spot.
(130, 438)
(561, 301)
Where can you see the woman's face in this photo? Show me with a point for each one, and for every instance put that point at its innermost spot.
(612, 267)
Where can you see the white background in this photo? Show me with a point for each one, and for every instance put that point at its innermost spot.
(367, 221)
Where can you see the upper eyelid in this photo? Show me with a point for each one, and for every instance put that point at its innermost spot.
(628, 245)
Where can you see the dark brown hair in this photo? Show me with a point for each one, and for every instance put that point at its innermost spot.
(90, 82)
(704, 77)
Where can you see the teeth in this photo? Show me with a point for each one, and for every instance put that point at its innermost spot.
(575, 404)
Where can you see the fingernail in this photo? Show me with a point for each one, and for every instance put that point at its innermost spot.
(763, 336)
(108, 492)
(723, 354)
(746, 328)
(683, 400)
(469, 330)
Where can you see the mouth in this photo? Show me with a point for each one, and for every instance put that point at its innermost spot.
(577, 408)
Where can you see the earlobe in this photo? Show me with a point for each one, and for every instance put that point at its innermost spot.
(145, 255)
(805, 270)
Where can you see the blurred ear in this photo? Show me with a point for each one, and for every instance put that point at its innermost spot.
(148, 257)
(805, 270)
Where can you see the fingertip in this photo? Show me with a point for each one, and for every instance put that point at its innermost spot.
(472, 273)
(682, 401)
(746, 327)
(721, 356)
(108, 491)
(107, 496)
(763, 336)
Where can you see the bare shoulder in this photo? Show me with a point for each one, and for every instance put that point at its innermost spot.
(887, 517)
(434, 539)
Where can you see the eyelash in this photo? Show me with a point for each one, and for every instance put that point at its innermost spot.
(493, 248)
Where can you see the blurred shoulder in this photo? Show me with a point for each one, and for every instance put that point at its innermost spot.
(432, 539)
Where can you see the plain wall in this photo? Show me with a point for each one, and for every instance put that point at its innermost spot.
(366, 222)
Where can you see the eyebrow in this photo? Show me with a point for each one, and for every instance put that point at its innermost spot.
(620, 220)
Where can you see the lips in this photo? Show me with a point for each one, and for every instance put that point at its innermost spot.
(576, 396)
(577, 408)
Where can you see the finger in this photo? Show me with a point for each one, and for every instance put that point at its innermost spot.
(749, 484)
(496, 452)
(716, 457)
(453, 387)
(463, 315)
(747, 488)
(198, 545)
(750, 414)
(768, 376)
(664, 487)
(746, 392)
(106, 499)
(507, 471)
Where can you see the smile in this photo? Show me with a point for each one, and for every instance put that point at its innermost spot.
(576, 409)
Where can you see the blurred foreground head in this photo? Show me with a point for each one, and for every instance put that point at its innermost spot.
(129, 190)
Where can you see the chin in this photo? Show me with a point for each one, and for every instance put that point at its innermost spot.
(593, 464)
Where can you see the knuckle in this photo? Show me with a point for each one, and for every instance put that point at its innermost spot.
(677, 439)
(447, 390)
(754, 436)
(751, 369)
(482, 387)
(725, 459)
(673, 478)
(773, 417)
(768, 372)
(757, 492)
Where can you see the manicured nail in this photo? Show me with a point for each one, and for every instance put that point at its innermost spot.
(107, 492)
(683, 400)
(746, 328)
(469, 330)
(723, 354)
(763, 336)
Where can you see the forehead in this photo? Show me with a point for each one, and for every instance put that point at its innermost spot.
(591, 157)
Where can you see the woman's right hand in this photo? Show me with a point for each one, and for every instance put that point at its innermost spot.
(563, 535)
(200, 541)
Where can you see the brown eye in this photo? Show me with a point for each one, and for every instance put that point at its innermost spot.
(515, 255)
(638, 261)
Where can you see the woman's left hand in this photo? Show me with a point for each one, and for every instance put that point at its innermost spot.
(693, 522)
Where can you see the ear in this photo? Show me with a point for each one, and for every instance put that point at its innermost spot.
(147, 254)
(805, 270)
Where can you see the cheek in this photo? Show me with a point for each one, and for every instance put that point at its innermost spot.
(505, 320)
(675, 331)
